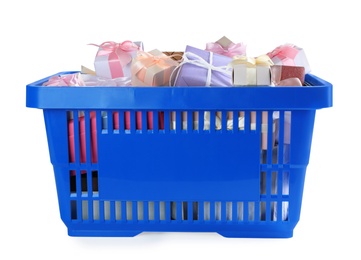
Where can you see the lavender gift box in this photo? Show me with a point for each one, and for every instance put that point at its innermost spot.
(203, 68)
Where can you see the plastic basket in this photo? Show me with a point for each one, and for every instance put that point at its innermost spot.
(137, 159)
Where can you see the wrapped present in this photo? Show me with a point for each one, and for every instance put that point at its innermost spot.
(175, 55)
(287, 75)
(251, 71)
(72, 79)
(225, 46)
(152, 68)
(203, 68)
(290, 55)
(113, 60)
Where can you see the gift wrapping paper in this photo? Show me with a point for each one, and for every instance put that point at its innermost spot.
(152, 68)
(248, 71)
(203, 68)
(113, 60)
(226, 47)
(287, 75)
(290, 55)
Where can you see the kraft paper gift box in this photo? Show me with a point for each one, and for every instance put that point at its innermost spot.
(152, 68)
(225, 46)
(203, 68)
(175, 55)
(113, 60)
(290, 55)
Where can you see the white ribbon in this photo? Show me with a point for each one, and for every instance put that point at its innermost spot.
(191, 58)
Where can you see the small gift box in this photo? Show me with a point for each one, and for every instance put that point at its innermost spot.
(152, 68)
(203, 68)
(287, 75)
(226, 47)
(251, 71)
(175, 55)
(290, 55)
(113, 60)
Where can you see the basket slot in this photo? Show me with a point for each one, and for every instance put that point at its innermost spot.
(82, 139)
(85, 182)
(178, 211)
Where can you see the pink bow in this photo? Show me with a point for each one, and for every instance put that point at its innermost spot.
(286, 53)
(146, 60)
(232, 50)
(74, 79)
(119, 55)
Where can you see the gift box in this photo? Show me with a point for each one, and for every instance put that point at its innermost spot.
(251, 71)
(290, 55)
(287, 75)
(152, 68)
(225, 46)
(203, 68)
(175, 55)
(113, 60)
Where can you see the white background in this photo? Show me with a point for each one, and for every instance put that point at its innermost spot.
(40, 38)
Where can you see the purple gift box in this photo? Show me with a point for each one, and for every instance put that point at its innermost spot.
(203, 68)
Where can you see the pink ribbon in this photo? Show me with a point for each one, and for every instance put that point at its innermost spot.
(232, 50)
(145, 60)
(118, 55)
(286, 53)
(74, 79)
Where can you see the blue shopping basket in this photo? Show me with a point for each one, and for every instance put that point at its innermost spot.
(230, 160)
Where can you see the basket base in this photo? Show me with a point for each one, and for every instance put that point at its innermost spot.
(226, 234)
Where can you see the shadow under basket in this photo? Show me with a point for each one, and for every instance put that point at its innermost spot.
(230, 160)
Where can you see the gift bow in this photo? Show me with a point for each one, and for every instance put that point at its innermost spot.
(119, 55)
(73, 79)
(148, 60)
(286, 53)
(231, 51)
(251, 76)
(200, 62)
(250, 62)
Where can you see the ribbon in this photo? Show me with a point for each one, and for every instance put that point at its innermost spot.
(118, 55)
(152, 63)
(74, 79)
(286, 53)
(262, 60)
(191, 58)
(231, 50)
(92, 80)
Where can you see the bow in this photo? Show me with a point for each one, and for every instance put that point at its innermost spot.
(231, 50)
(152, 63)
(119, 55)
(286, 53)
(251, 71)
(73, 79)
(191, 58)
(250, 62)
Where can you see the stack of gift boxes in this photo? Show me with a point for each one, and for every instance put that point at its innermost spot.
(222, 63)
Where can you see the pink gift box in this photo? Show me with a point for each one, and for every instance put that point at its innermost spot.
(113, 60)
(226, 47)
(152, 68)
(290, 55)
